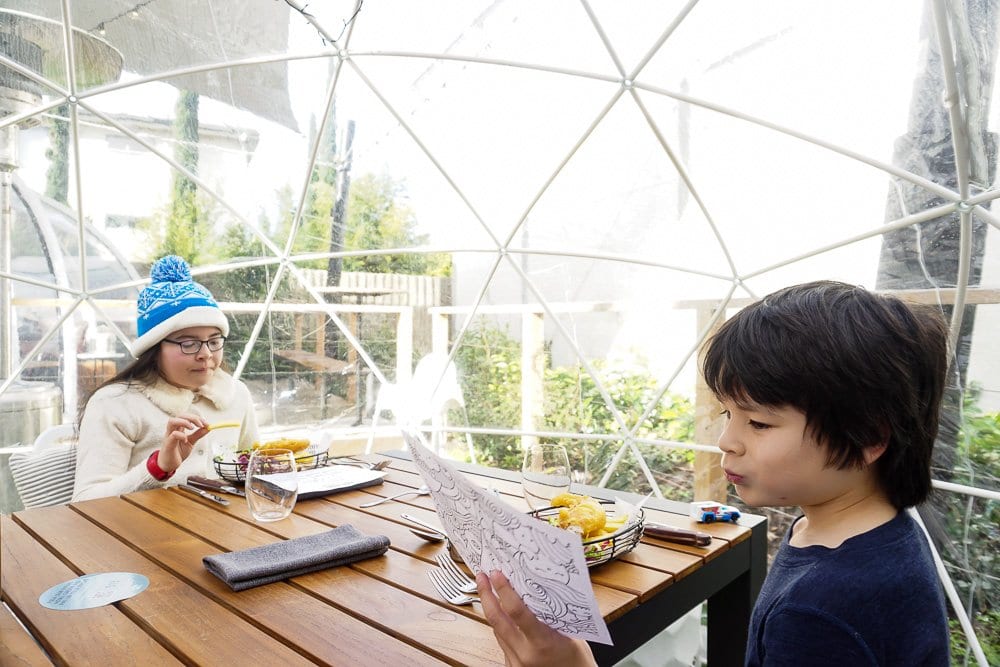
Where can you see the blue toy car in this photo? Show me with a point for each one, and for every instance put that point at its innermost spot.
(708, 511)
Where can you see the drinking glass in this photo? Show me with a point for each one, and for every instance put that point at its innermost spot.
(271, 485)
(544, 474)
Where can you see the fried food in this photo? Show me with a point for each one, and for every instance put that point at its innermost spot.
(212, 427)
(581, 514)
(296, 445)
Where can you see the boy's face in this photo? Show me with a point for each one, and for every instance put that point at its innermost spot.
(772, 459)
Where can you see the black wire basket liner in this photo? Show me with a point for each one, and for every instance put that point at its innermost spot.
(602, 549)
(236, 470)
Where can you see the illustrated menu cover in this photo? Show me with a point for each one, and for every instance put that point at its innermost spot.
(544, 564)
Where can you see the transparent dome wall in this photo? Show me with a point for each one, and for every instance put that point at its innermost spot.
(564, 197)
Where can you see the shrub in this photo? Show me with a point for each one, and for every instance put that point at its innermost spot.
(490, 364)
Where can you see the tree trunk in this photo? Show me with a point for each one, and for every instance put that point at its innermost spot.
(57, 175)
(182, 233)
(338, 220)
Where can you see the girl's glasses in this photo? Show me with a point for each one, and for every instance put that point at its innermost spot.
(194, 346)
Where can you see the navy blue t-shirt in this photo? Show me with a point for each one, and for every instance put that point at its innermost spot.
(874, 600)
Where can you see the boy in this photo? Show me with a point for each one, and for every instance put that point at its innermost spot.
(832, 396)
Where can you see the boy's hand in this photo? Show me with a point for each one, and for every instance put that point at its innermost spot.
(183, 431)
(526, 641)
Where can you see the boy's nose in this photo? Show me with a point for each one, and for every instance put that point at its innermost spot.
(728, 441)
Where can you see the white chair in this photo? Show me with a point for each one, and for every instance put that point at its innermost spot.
(44, 474)
(428, 395)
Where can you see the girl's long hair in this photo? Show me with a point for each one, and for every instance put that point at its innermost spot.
(144, 370)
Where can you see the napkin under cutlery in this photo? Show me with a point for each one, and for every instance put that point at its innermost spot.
(290, 558)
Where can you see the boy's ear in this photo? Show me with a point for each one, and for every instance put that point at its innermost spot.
(873, 452)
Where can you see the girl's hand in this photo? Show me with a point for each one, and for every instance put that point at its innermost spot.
(183, 431)
(525, 640)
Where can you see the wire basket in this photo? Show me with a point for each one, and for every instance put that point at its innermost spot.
(235, 470)
(607, 547)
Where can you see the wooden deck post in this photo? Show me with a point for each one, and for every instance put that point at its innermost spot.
(440, 330)
(709, 481)
(532, 374)
(404, 345)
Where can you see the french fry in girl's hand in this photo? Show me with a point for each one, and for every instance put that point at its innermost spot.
(212, 427)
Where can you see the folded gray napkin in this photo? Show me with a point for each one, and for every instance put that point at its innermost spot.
(273, 562)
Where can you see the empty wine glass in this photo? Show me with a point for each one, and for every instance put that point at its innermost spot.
(271, 485)
(544, 474)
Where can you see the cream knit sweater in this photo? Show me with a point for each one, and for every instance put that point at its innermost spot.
(123, 425)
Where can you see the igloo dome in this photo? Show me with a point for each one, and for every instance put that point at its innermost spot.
(562, 200)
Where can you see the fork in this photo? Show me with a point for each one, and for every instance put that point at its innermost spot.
(460, 579)
(447, 591)
(347, 461)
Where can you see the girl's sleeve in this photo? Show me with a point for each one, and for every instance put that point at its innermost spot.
(107, 438)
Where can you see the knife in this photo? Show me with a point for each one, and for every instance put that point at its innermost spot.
(214, 485)
(204, 494)
(678, 535)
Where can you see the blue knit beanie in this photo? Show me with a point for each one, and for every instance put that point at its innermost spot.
(173, 301)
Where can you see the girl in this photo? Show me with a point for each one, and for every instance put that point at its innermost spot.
(145, 425)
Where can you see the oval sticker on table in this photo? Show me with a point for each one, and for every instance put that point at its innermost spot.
(93, 590)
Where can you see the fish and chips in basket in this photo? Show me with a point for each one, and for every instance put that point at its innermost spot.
(233, 466)
(608, 528)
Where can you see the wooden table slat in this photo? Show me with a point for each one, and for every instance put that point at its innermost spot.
(200, 629)
(85, 636)
(386, 606)
(17, 647)
(283, 611)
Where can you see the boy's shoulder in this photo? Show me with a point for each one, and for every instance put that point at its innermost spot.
(868, 592)
(893, 559)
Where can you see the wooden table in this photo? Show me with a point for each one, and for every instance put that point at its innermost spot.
(381, 611)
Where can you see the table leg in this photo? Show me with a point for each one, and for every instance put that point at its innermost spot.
(727, 583)
(730, 608)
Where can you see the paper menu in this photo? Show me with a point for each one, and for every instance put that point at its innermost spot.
(544, 564)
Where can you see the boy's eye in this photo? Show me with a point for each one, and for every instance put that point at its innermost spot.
(752, 423)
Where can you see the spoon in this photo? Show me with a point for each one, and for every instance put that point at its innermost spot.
(423, 524)
(430, 537)
(422, 491)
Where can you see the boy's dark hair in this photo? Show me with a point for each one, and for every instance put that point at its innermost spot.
(865, 368)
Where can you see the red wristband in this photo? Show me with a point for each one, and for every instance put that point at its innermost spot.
(153, 466)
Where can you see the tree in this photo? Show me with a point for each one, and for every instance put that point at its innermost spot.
(182, 235)
(376, 219)
(57, 175)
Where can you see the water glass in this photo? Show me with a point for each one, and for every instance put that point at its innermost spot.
(271, 484)
(544, 474)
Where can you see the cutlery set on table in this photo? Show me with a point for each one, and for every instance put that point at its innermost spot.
(451, 583)
(210, 488)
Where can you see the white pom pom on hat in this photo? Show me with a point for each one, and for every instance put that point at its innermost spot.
(173, 301)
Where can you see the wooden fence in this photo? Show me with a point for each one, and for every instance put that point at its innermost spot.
(420, 292)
